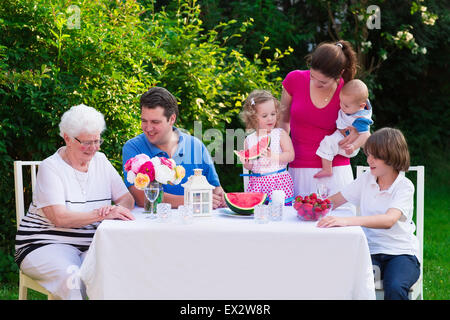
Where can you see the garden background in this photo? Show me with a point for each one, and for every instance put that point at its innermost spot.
(210, 54)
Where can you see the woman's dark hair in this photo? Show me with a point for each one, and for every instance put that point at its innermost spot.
(389, 145)
(331, 59)
(160, 97)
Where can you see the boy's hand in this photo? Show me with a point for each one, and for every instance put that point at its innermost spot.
(331, 221)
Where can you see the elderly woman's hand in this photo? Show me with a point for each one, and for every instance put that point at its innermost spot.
(104, 211)
(115, 212)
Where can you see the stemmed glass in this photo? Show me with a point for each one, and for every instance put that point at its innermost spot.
(152, 193)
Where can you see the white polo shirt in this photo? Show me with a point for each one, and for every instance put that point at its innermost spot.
(365, 192)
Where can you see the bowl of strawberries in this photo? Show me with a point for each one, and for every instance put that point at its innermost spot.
(312, 208)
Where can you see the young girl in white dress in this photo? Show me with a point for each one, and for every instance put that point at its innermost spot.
(268, 172)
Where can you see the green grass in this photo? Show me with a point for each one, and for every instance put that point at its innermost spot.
(11, 292)
(436, 239)
(436, 234)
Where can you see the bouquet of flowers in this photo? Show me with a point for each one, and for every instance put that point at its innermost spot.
(141, 170)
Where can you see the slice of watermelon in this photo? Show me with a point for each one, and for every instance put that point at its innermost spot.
(255, 151)
(244, 202)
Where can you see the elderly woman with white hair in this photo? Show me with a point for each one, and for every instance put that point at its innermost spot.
(75, 188)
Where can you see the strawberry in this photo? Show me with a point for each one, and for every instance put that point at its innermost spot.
(298, 199)
(313, 196)
(307, 207)
(324, 206)
(327, 200)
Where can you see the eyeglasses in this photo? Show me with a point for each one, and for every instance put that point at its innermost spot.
(87, 144)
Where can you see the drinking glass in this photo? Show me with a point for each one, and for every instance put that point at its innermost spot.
(323, 191)
(261, 213)
(152, 193)
(276, 211)
(186, 214)
(163, 212)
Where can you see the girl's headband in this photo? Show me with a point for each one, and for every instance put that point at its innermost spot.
(339, 45)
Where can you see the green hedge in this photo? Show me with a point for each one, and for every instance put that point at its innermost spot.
(119, 50)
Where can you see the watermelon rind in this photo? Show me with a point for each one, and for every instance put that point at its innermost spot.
(243, 210)
(241, 153)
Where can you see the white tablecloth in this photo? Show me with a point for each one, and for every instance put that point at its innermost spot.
(222, 257)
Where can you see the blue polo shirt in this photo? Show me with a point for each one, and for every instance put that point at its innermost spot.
(191, 153)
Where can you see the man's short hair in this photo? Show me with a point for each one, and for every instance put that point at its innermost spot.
(160, 97)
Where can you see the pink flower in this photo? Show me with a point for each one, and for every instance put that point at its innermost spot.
(128, 164)
(148, 169)
(137, 161)
(166, 162)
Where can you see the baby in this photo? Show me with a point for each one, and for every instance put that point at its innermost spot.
(355, 111)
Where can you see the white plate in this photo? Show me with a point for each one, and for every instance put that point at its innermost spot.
(230, 213)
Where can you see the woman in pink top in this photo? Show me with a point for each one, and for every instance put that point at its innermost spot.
(310, 102)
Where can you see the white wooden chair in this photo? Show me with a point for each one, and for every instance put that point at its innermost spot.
(26, 282)
(245, 171)
(416, 291)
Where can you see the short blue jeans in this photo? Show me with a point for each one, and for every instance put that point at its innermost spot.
(398, 272)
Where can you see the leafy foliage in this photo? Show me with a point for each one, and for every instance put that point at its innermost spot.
(105, 54)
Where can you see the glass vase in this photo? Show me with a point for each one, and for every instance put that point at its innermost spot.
(148, 207)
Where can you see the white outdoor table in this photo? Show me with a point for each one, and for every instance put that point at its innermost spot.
(222, 257)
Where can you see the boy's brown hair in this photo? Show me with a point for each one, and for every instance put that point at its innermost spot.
(389, 145)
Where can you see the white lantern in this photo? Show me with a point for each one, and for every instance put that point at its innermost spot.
(198, 193)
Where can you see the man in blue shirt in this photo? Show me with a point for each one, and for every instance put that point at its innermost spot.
(159, 111)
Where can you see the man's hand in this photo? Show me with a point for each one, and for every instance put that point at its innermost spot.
(218, 198)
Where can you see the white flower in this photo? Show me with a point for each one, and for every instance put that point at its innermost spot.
(366, 44)
(163, 174)
(428, 19)
(131, 176)
(156, 161)
(423, 50)
(404, 35)
(174, 164)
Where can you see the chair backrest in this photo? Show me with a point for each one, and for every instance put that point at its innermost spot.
(245, 171)
(420, 192)
(18, 185)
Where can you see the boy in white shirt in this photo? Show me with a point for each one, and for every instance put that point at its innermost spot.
(356, 112)
(386, 199)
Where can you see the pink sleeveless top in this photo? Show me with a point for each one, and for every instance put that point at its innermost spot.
(309, 125)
